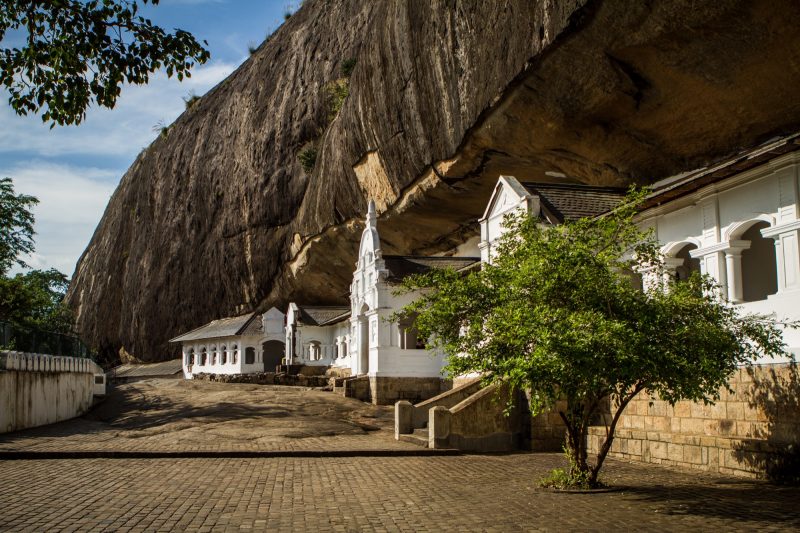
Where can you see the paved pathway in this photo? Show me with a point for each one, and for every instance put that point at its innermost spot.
(354, 493)
(166, 415)
(462, 493)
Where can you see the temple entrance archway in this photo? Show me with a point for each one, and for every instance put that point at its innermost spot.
(273, 354)
(363, 341)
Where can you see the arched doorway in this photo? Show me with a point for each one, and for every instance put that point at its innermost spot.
(690, 264)
(274, 352)
(363, 340)
(759, 268)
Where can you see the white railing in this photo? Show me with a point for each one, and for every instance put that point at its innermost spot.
(32, 362)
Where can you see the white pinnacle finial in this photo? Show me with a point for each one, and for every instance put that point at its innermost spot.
(371, 216)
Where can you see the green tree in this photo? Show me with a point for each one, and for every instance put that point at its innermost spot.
(77, 51)
(557, 315)
(35, 299)
(16, 225)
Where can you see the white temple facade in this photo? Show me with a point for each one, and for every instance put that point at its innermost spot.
(738, 222)
(243, 344)
(317, 335)
(552, 203)
(362, 340)
(390, 353)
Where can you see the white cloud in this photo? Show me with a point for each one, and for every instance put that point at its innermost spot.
(71, 201)
(121, 132)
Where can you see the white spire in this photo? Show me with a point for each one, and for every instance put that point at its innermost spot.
(371, 216)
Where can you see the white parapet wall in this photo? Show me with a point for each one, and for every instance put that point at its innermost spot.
(40, 389)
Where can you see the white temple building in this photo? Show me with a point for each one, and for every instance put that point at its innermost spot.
(237, 345)
(317, 335)
(388, 354)
(737, 221)
(552, 203)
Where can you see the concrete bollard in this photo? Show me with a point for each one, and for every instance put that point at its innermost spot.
(402, 418)
(439, 427)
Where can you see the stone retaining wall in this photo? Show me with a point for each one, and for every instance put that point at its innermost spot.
(388, 390)
(753, 431)
(266, 378)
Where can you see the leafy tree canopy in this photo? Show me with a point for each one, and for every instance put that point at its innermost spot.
(35, 300)
(16, 225)
(77, 51)
(556, 314)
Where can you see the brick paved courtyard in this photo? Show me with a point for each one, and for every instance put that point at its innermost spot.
(462, 493)
(359, 492)
(168, 415)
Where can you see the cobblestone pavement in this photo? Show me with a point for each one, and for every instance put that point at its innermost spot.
(354, 493)
(460, 493)
(167, 415)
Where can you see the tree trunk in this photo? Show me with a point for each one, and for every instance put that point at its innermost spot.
(601, 456)
(576, 448)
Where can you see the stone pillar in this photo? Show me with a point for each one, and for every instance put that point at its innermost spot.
(403, 411)
(439, 427)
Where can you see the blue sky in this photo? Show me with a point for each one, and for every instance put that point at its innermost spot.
(74, 169)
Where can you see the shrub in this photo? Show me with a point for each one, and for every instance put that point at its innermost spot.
(308, 158)
(336, 92)
(190, 100)
(347, 67)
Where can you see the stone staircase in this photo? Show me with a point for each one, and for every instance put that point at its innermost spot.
(469, 417)
(419, 437)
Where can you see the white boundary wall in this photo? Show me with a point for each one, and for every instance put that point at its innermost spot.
(42, 389)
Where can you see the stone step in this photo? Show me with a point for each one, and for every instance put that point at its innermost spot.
(413, 438)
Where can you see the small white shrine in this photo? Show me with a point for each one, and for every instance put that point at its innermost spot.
(362, 339)
(317, 335)
(243, 344)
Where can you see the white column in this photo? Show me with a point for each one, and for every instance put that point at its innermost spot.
(711, 264)
(733, 264)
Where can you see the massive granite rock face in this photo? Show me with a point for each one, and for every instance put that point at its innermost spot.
(219, 217)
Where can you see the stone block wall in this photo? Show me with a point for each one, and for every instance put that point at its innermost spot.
(388, 390)
(548, 430)
(753, 431)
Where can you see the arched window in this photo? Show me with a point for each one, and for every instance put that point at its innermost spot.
(223, 358)
(249, 355)
(314, 351)
(759, 268)
(690, 265)
(190, 357)
(213, 355)
(409, 337)
(203, 357)
(235, 354)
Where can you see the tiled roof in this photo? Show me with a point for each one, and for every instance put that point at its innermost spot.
(322, 315)
(224, 327)
(571, 202)
(164, 368)
(253, 327)
(401, 266)
(687, 182)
